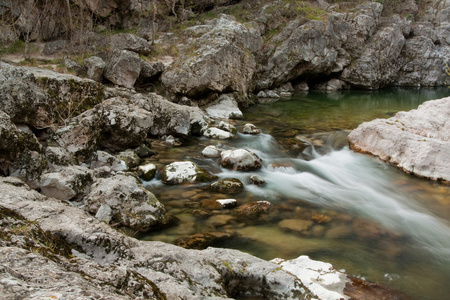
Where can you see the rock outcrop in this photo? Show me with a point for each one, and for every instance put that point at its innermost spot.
(221, 59)
(417, 141)
(84, 255)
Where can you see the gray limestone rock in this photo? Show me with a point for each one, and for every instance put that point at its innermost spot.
(417, 141)
(42, 98)
(225, 107)
(101, 159)
(21, 154)
(151, 69)
(70, 183)
(123, 68)
(211, 151)
(240, 159)
(74, 66)
(130, 42)
(216, 133)
(131, 204)
(377, 66)
(185, 172)
(223, 59)
(95, 66)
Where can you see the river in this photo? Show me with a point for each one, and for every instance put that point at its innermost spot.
(370, 219)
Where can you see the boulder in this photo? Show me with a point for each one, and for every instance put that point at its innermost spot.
(250, 129)
(53, 47)
(130, 158)
(147, 172)
(102, 159)
(417, 141)
(42, 98)
(185, 172)
(71, 183)
(256, 180)
(121, 123)
(58, 156)
(95, 66)
(211, 151)
(240, 160)
(227, 127)
(151, 69)
(131, 204)
(322, 278)
(216, 133)
(225, 107)
(221, 59)
(74, 66)
(123, 68)
(227, 186)
(130, 42)
(21, 154)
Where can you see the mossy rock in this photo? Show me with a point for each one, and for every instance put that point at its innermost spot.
(227, 186)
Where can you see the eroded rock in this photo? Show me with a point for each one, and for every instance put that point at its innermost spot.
(417, 141)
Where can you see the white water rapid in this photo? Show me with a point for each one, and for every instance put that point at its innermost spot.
(349, 182)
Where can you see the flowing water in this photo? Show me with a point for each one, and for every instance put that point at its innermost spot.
(369, 218)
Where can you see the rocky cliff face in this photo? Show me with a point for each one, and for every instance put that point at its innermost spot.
(280, 44)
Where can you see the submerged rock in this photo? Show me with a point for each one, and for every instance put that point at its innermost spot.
(185, 172)
(227, 186)
(296, 225)
(203, 240)
(253, 211)
(417, 141)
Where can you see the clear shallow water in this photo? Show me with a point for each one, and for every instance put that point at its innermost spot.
(380, 224)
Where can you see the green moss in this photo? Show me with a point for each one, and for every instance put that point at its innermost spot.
(32, 237)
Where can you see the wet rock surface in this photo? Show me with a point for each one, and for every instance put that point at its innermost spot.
(185, 172)
(240, 160)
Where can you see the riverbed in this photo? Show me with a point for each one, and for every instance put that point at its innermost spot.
(352, 210)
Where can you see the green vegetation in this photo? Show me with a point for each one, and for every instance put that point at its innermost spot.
(18, 47)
